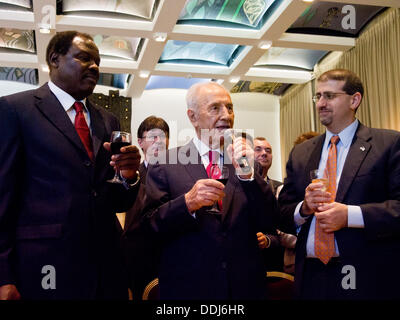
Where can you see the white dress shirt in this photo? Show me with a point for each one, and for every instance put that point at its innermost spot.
(67, 101)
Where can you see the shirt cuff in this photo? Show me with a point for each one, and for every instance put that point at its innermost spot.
(355, 218)
(298, 219)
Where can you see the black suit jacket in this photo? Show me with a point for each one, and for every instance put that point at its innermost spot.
(208, 257)
(371, 180)
(56, 207)
(140, 243)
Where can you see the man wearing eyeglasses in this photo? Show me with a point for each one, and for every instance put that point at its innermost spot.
(349, 233)
(140, 245)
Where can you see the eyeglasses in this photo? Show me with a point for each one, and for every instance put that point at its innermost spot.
(152, 138)
(327, 96)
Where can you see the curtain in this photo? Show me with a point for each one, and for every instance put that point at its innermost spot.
(296, 117)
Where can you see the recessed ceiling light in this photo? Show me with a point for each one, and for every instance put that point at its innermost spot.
(265, 45)
(144, 74)
(308, 0)
(160, 36)
(44, 28)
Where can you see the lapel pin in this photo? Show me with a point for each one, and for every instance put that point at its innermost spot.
(362, 148)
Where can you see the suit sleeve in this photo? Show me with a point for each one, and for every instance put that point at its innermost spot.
(289, 198)
(10, 175)
(382, 220)
(168, 216)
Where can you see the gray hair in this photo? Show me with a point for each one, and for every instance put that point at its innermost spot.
(193, 91)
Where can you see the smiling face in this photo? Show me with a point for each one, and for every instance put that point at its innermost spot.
(339, 112)
(76, 72)
(213, 114)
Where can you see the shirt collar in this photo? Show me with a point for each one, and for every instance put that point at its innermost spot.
(202, 148)
(346, 135)
(65, 98)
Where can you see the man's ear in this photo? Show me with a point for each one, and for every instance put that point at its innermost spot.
(192, 116)
(355, 100)
(140, 142)
(54, 60)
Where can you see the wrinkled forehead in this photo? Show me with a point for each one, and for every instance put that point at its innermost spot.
(262, 143)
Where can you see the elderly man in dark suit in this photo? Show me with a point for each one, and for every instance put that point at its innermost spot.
(349, 237)
(206, 255)
(57, 211)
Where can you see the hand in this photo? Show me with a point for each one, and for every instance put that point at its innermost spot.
(332, 216)
(313, 198)
(240, 148)
(9, 292)
(127, 161)
(204, 193)
(263, 241)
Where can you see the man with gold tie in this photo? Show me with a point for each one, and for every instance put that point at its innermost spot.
(349, 233)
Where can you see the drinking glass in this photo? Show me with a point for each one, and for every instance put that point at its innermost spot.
(118, 140)
(223, 179)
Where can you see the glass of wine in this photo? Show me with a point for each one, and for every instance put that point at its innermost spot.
(215, 209)
(118, 140)
(318, 176)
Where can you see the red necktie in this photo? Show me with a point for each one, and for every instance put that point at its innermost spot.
(213, 170)
(324, 243)
(82, 129)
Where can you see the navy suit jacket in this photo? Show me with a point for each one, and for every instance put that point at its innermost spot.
(371, 180)
(56, 207)
(208, 257)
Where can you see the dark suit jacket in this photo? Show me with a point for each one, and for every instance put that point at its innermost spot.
(56, 207)
(140, 244)
(371, 180)
(208, 257)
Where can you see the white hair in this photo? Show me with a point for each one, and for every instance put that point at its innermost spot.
(193, 91)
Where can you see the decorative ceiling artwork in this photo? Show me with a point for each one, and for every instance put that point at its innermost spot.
(138, 8)
(242, 12)
(163, 82)
(19, 74)
(325, 18)
(264, 87)
(199, 52)
(293, 58)
(17, 39)
(19, 3)
(118, 80)
(118, 47)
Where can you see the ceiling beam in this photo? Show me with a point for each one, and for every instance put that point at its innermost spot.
(378, 3)
(278, 75)
(165, 20)
(314, 42)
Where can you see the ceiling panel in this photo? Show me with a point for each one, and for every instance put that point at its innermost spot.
(225, 40)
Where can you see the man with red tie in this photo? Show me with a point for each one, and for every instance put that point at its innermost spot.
(57, 211)
(349, 231)
(209, 252)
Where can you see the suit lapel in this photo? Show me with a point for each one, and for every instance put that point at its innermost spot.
(51, 108)
(194, 167)
(97, 126)
(357, 153)
(314, 155)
